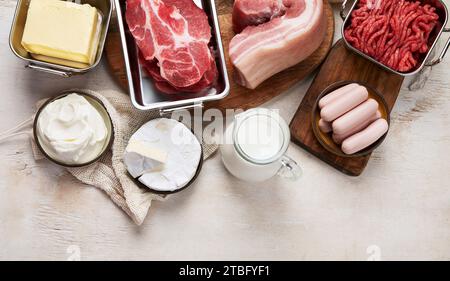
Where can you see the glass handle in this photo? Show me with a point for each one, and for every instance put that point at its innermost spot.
(289, 169)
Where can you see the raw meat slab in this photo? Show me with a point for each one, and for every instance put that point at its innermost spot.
(239, 97)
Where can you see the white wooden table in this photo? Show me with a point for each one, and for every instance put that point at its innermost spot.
(398, 209)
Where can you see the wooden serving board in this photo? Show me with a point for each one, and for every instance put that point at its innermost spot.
(239, 97)
(341, 64)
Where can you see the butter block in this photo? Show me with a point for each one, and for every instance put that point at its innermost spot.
(143, 157)
(59, 61)
(63, 30)
(145, 149)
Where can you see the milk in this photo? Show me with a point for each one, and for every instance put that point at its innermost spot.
(254, 145)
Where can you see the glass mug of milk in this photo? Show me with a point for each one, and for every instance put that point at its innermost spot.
(254, 146)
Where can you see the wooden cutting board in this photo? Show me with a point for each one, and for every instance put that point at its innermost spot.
(341, 64)
(239, 97)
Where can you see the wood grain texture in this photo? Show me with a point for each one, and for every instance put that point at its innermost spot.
(340, 65)
(239, 96)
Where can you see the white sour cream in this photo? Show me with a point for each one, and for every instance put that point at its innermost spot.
(71, 130)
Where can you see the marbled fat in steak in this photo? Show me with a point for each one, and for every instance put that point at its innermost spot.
(173, 38)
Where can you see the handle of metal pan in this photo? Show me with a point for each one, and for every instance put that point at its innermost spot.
(49, 70)
(342, 12)
(444, 51)
(166, 111)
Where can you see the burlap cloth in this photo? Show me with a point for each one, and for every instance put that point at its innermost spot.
(109, 173)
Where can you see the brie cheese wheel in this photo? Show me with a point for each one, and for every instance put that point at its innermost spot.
(163, 155)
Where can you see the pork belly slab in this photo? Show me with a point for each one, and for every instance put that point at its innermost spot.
(291, 30)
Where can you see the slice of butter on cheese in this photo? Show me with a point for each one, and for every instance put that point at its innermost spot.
(142, 157)
(61, 29)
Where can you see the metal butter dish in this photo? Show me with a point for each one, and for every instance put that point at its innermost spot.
(143, 94)
(441, 10)
(104, 7)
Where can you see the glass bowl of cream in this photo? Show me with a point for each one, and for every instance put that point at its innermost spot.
(73, 129)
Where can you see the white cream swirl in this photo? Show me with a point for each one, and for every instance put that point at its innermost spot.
(71, 130)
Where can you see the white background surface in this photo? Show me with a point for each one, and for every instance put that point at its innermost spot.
(401, 203)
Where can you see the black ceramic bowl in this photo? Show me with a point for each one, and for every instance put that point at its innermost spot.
(326, 140)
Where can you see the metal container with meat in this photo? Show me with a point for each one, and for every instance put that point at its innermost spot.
(397, 35)
(173, 53)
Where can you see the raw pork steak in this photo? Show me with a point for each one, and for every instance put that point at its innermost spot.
(173, 37)
(291, 30)
(162, 85)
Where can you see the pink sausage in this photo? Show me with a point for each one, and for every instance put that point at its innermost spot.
(366, 137)
(344, 103)
(324, 126)
(339, 138)
(336, 94)
(355, 117)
